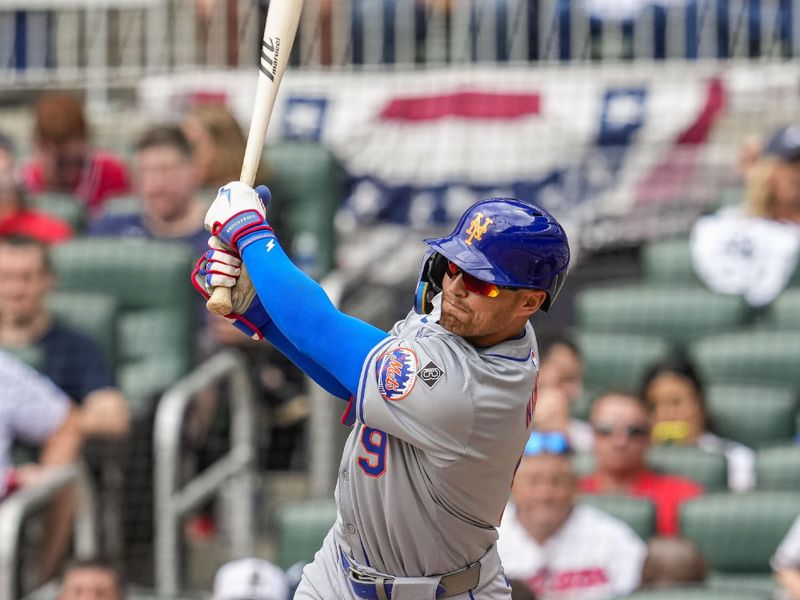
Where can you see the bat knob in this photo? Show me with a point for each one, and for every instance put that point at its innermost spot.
(220, 301)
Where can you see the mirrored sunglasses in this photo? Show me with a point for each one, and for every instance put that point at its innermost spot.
(475, 285)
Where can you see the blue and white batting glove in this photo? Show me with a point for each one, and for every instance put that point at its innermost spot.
(221, 267)
(238, 215)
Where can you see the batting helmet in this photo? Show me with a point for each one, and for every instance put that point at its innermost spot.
(503, 241)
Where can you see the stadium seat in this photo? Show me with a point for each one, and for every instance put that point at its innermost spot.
(709, 469)
(301, 528)
(694, 593)
(739, 533)
(752, 415)
(784, 312)
(669, 262)
(679, 314)
(156, 302)
(94, 314)
(638, 513)
(305, 178)
(66, 207)
(766, 357)
(618, 361)
(121, 205)
(778, 468)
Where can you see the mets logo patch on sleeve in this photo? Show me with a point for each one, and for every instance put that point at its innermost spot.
(397, 373)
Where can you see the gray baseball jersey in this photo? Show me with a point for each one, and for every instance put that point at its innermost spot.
(439, 429)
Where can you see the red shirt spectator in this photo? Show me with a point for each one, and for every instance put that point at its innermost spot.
(36, 225)
(65, 160)
(102, 176)
(666, 491)
(17, 219)
(621, 425)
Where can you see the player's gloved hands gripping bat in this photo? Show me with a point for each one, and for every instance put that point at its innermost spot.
(240, 217)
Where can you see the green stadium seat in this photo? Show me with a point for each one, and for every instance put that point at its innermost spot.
(583, 463)
(679, 314)
(618, 361)
(709, 469)
(766, 357)
(694, 593)
(752, 415)
(157, 305)
(301, 528)
(784, 312)
(638, 513)
(738, 533)
(668, 262)
(121, 205)
(778, 468)
(66, 207)
(94, 314)
(305, 178)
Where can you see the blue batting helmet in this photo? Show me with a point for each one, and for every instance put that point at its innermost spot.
(503, 241)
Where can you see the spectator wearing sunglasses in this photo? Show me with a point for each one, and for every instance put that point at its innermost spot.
(675, 394)
(621, 438)
(65, 160)
(561, 549)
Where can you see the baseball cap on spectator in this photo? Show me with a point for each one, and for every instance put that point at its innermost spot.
(250, 579)
(785, 143)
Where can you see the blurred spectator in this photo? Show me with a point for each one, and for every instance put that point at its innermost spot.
(74, 362)
(674, 392)
(250, 579)
(34, 411)
(753, 251)
(786, 562)
(166, 184)
(17, 219)
(92, 579)
(621, 439)
(559, 548)
(673, 561)
(561, 367)
(218, 144)
(552, 410)
(65, 160)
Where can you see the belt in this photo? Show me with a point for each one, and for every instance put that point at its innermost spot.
(370, 585)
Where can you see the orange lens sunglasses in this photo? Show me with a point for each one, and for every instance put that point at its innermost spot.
(473, 284)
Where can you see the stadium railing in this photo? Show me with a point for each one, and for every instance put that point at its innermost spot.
(231, 478)
(102, 46)
(20, 506)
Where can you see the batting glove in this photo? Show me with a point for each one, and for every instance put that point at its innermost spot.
(238, 215)
(222, 267)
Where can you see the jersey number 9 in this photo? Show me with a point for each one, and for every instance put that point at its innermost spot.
(374, 443)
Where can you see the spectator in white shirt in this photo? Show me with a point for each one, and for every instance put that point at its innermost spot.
(561, 549)
(34, 411)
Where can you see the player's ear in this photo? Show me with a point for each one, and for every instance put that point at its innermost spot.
(531, 301)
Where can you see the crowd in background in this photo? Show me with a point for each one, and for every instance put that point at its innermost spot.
(548, 539)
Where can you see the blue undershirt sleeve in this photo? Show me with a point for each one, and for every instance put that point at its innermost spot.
(305, 364)
(299, 307)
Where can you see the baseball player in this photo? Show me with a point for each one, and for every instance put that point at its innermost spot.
(441, 406)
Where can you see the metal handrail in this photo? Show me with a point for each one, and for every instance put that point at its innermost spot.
(16, 508)
(232, 477)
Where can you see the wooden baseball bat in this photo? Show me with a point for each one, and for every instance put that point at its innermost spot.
(279, 32)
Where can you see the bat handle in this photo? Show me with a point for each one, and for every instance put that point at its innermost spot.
(220, 301)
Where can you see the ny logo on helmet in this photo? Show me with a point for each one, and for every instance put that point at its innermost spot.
(477, 228)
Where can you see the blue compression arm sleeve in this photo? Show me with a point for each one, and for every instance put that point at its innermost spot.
(337, 342)
(308, 366)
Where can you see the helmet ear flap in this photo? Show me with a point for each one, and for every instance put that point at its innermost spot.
(430, 281)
